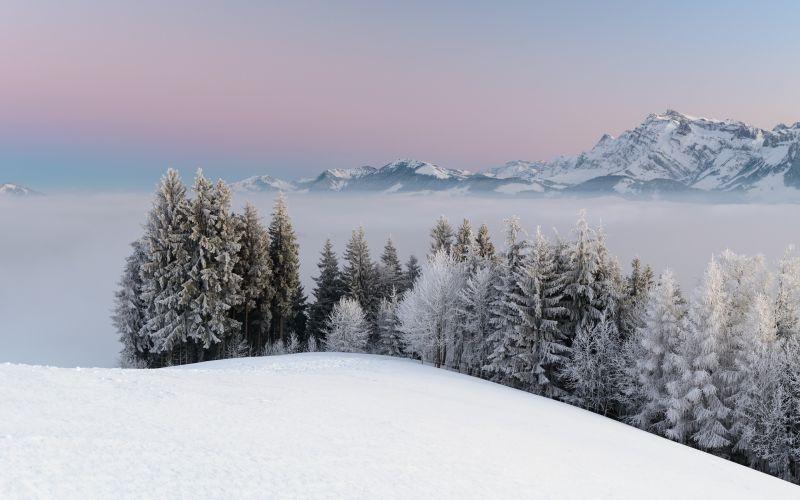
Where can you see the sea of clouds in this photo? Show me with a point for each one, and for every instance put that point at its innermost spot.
(61, 256)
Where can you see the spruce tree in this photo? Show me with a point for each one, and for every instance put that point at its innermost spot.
(360, 274)
(787, 306)
(348, 329)
(475, 304)
(464, 242)
(483, 242)
(284, 255)
(389, 337)
(165, 271)
(297, 323)
(441, 236)
(254, 267)
(390, 272)
(328, 291)
(129, 310)
(411, 273)
(212, 287)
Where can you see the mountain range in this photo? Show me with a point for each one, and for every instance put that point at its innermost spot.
(667, 154)
(9, 189)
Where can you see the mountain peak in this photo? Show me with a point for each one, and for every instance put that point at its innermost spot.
(11, 189)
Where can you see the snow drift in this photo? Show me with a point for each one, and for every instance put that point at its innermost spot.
(329, 425)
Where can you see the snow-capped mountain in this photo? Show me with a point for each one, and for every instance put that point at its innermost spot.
(668, 153)
(263, 183)
(9, 189)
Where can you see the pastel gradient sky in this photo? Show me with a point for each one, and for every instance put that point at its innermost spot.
(107, 94)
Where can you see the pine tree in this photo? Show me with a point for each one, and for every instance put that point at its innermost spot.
(634, 298)
(463, 247)
(390, 272)
(441, 236)
(483, 243)
(328, 291)
(360, 275)
(212, 288)
(474, 307)
(254, 267)
(542, 353)
(412, 272)
(165, 271)
(283, 251)
(504, 360)
(658, 341)
(297, 323)
(390, 338)
(129, 311)
(348, 329)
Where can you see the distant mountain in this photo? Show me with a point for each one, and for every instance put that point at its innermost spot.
(16, 190)
(668, 154)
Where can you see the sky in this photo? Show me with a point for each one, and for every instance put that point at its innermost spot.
(98, 95)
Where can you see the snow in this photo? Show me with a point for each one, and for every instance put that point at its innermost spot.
(328, 425)
(517, 187)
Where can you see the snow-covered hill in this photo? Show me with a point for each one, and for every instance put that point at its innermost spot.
(668, 153)
(9, 189)
(329, 425)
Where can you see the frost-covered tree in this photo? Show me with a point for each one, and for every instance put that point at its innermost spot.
(129, 310)
(634, 298)
(475, 328)
(312, 344)
(504, 360)
(428, 313)
(590, 374)
(166, 240)
(441, 236)
(390, 272)
(298, 319)
(256, 287)
(293, 346)
(483, 243)
(465, 241)
(657, 342)
(411, 273)
(542, 353)
(284, 255)
(348, 329)
(360, 274)
(212, 287)
(389, 337)
(787, 307)
(328, 291)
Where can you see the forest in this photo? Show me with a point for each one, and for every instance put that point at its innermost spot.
(717, 368)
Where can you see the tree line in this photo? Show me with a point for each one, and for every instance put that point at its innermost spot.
(718, 369)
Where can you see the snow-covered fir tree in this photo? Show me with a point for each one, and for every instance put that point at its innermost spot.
(428, 313)
(441, 236)
(360, 274)
(348, 329)
(474, 308)
(504, 359)
(538, 341)
(254, 267)
(328, 291)
(129, 310)
(212, 287)
(787, 307)
(166, 240)
(390, 272)
(483, 242)
(465, 241)
(389, 337)
(656, 343)
(297, 323)
(284, 255)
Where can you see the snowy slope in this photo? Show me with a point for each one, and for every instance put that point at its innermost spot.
(329, 426)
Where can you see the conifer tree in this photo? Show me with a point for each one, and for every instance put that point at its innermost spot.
(212, 288)
(360, 274)
(441, 236)
(483, 242)
(328, 291)
(165, 271)
(581, 289)
(129, 311)
(283, 251)
(254, 267)
(348, 329)
(465, 240)
(475, 307)
(390, 272)
(390, 338)
(298, 320)
(590, 374)
(411, 273)
(787, 307)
